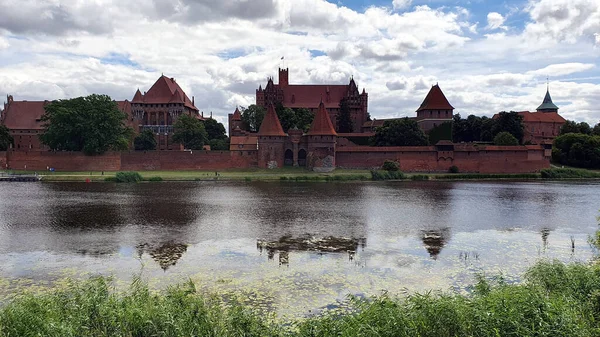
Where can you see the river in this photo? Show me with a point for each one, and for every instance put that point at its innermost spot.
(292, 248)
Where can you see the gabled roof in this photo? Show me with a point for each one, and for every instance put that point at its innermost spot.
(176, 97)
(24, 115)
(270, 125)
(547, 104)
(544, 117)
(237, 115)
(138, 98)
(162, 91)
(435, 100)
(321, 125)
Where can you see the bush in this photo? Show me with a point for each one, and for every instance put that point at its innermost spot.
(419, 177)
(576, 149)
(505, 139)
(155, 179)
(110, 179)
(390, 165)
(247, 179)
(145, 141)
(128, 177)
(453, 169)
(568, 173)
(386, 175)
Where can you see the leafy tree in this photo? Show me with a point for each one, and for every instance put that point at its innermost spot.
(145, 141)
(91, 124)
(214, 129)
(440, 132)
(577, 149)
(472, 129)
(399, 132)
(510, 122)
(574, 127)
(219, 144)
(344, 119)
(252, 117)
(596, 130)
(505, 139)
(5, 138)
(190, 132)
(390, 165)
(287, 117)
(304, 118)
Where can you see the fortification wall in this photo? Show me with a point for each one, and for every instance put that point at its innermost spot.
(427, 159)
(63, 161)
(129, 161)
(3, 160)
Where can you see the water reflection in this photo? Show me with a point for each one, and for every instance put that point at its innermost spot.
(166, 254)
(310, 243)
(435, 240)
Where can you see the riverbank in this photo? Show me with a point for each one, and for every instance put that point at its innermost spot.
(300, 174)
(555, 300)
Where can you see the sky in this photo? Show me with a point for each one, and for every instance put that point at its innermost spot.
(487, 56)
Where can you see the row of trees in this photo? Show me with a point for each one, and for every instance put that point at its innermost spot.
(583, 128)
(578, 145)
(485, 129)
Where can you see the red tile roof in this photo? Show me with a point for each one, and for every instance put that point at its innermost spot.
(237, 116)
(321, 125)
(138, 98)
(176, 97)
(310, 96)
(435, 100)
(544, 117)
(246, 142)
(270, 125)
(162, 92)
(24, 115)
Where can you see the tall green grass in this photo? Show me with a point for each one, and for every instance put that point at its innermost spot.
(555, 300)
(568, 173)
(128, 177)
(387, 175)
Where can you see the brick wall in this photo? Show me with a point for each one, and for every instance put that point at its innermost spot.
(520, 159)
(63, 161)
(3, 160)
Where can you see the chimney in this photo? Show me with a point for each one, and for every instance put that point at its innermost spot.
(211, 115)
(193, 101)
(202, 114)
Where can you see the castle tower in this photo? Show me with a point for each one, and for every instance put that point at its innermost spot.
(434, 110)
(547, 104)
(322, 139)
(235, 121)
(271, 139)
(284, 77)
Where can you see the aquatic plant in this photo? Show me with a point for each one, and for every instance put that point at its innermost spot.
(155, 179)
(386, 175)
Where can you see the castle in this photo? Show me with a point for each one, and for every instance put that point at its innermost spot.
(320, 149)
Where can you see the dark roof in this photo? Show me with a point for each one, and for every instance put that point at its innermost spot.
(435, 100)
(547, 104)
(24, 115)
(321, 125)
(270, 125)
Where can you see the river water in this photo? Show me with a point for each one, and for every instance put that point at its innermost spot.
(292, 248)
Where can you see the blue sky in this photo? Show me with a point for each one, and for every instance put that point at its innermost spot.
(487, 56)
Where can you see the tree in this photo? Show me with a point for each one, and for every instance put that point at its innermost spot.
(190, 132)
(91, 124)
(574, 127)
(145, 141)
(214, 129)
(219, 144)
(577, 149)
(304, 118)
(472, 129)
(286, 116)
(440, 132)
(596, 130)
(399, 132)
(510, 122)
(5, 138)
(252, 117)
(344, 119)
(505, 139)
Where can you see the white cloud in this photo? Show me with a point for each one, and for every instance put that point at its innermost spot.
(401, 4)
(495, 21)
(562, 69)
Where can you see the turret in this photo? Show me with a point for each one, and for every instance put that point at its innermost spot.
(547, 104)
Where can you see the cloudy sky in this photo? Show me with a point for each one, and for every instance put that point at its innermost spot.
(486, 55)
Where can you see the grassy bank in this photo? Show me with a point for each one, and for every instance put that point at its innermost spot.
(555, 300)
(301, 174)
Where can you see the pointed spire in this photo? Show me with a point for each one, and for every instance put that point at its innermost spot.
(321, 125)
(237, 115)
(435, 100)
(271, 125)
(547, 104)
(138, 98)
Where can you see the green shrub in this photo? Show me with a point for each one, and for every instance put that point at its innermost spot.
(283, 178)
(568, 173)
(453, 169)
(128, 177)
(110, 179)
(419, 177)
(386, 175)
(390, 166)
(505, 139)
(247, 179)
(155, 179)
(466, 176)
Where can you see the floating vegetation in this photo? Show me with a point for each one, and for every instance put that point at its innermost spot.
(166, 255)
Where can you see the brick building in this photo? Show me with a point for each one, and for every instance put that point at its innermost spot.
(310, 97)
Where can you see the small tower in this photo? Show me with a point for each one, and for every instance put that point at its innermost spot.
(434, 110)
(235, 122)
(271, 139)
(322, 139)
(284, 79)
(547, 104)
